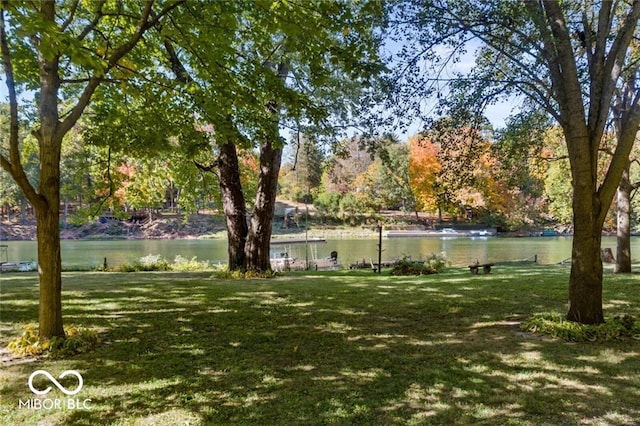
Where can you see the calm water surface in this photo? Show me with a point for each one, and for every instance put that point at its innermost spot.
(461, 251)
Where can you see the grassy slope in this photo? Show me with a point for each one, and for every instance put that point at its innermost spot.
(338, 348)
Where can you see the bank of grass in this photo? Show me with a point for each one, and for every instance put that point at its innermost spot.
(327, 348)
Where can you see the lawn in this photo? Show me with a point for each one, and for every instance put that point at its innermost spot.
(325, 348)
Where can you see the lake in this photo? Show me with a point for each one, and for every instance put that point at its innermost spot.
(461, 251)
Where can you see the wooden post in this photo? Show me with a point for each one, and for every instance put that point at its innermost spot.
(379, 229)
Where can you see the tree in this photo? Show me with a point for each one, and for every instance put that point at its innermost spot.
(349, 160)
(558, 188)
(304, 174)
(623, 101)
(627, 188)
(391, 174)
(424, 167)
(146, 119)
(452, 167)
(461, 146)
(521, 151)
(62, 52)
(10, 193)
(568, 58)
(303, 66)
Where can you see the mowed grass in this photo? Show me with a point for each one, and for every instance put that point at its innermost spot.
(327, 348)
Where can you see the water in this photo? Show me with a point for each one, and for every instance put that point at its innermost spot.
(461, 251)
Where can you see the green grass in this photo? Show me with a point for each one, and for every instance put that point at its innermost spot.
(327, 348)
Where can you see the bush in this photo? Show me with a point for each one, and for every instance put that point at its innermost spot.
(437, 261)
(557, 326)
(28, 343)
(77, 340)
(181, 263)
(153, 262)
(328, 203)
(150, 262)
(127, 267)
(224, 273)
(433, 264)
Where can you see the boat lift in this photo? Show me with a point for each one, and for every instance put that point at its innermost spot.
(282, 258)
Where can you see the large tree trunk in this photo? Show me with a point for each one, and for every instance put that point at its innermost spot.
(259, 239)
(47, 211)
(47, 204)
(623, 246)
(50, 270)
(234, 205)
(585, 281)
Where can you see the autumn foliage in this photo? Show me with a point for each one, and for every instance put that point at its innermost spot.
(454, 171)
(424, 172)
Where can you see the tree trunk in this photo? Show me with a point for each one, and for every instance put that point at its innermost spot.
(234, 205)
(47, 211)
(259, 238)
(50, 269)
(47, 203)
(623, 246)
(585, 280)
(24, 207)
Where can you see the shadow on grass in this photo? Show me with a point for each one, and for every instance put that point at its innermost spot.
(339, 348)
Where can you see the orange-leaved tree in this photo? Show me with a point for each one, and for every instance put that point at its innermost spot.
(424, 171)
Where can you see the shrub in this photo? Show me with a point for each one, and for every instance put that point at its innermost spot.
(28, 343)
(224, 273)
(150, 262)
(433, 264)
(437, 261)
(557, 326)
(406, 266)
(328, 203)
(153, 262)
(77, 340)
(127, 267)
(181, 263)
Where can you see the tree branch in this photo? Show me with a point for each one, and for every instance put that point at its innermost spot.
(13, 165)
(208, 168)
(144, 24)
(606, 70)
(96, 19)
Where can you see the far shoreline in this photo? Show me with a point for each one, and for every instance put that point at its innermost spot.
(96, 232)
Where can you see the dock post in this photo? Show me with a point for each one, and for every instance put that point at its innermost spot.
(379, 229)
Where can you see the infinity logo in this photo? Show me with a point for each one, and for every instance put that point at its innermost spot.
(55, 382)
